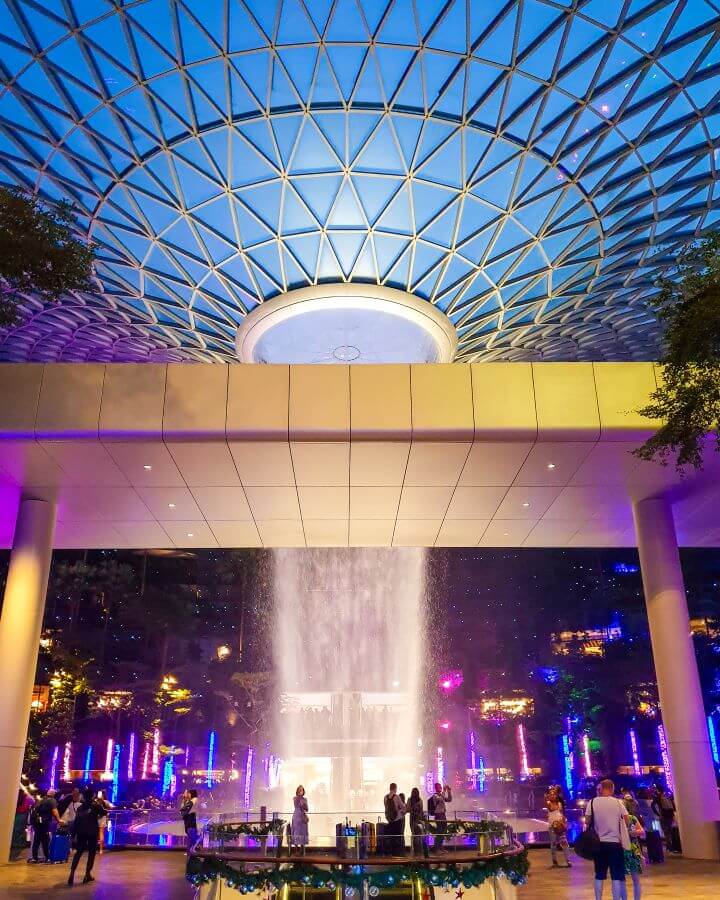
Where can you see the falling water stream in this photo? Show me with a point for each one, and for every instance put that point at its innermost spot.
(349, 648)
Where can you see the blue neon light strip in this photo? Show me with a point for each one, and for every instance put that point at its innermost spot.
(567, 756)
(88, 761)
(713, 741)
(210, 759)
(115, 774)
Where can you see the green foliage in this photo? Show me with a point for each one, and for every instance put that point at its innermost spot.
(688, 400)
(39, 252)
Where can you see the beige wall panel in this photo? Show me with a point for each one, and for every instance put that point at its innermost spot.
(326, 533)
(435, 463)
(378, 463)
(190, 534)
(69, 405)
(424, 502)
(475, 502)
(263, 462)
(222, 503)
(234, 535)
(279, 533)
(258, 402)
(493, 463)
(132, 404)
(143, 535)
(466, 533)
(609, 462)
(19, 392)
(374, 502)
(133, 457)
(268, 503)
(553, 463)
(416, 532)
(195, 401)
(621, 391)
(320, 403)
(442, 404)
(371, 532)
(170, 503)
(380, 406)
(26, 463)
(84, 463)
(504, 401)
(555, 533)
(323, 503)
(321, 464)
(204, 463)
(566, 402)
(526, 502)
(506, 533)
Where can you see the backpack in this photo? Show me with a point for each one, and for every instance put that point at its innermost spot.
(431, 805)
(41, 815)
(390, 809)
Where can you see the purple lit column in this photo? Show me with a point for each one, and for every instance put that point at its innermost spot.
(693, 774)
(20, 627)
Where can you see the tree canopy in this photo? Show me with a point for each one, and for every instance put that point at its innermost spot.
(39, 251)
(688, 400)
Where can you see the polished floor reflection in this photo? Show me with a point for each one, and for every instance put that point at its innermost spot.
(147, 875)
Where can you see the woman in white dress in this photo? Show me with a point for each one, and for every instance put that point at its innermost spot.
(299, 836)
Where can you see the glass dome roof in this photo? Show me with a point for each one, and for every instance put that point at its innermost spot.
(526, 167)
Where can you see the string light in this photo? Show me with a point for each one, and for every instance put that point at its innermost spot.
(247, 796)
(155, 767)
(53, 768)
(115, 774)
(146, 760)
(586, 756)
(88, 761)
(713, 740)
(665, 756)
(131, 757)
(210, 758)
(635, 755)
(440, 765)
(66, 761)
(109, 758)
(522, 747)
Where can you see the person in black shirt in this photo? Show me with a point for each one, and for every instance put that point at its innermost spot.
(41, 819)
(86, 830)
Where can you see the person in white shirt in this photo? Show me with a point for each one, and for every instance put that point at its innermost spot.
(607, 813)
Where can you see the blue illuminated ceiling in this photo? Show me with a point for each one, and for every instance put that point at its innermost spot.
(527, 166)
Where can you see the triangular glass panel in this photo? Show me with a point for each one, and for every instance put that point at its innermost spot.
(380, 154)
(497, 46)
(375, 193)
(325, 90)
(346, 212)
(305, 250)
(347, 246)
(295, 216)
(451, 32)
(295, 27)
(346, 23)
(312, 153)
(346, 62)
(398, 26)
(300, 64)
(397, 217)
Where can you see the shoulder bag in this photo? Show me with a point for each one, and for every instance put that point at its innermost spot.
(587, 845)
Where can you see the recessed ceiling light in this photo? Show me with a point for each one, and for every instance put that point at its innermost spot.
(551, 465)
(190, 534)
(526, 504)
(147, 468)
(506, 534)
(171, 506)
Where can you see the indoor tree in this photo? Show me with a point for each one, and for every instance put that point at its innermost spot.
(40, 252)
(688, 399)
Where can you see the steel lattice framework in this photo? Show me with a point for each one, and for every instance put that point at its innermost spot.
(525, 165)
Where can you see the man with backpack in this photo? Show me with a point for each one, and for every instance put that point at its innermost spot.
(395, 817)
(86, 831)
(41, 819)
(438, 812)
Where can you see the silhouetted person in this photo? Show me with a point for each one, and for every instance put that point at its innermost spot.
(86, 831)
(41, 819)
(436, 809)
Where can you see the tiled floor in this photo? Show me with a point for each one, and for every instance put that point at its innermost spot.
(138, 875)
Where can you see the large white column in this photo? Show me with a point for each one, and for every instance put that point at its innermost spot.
(693, 774)
(20, 627)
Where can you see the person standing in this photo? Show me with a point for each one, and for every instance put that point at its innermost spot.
(609, 816)
(188, 811)
(416, 812)
(43, 815)
(664, 808)
(20, 822)
(86, 832)
(102, 800)
(69, 807)
(634, 856)
(394, 816)
(437, 811)
(557, 827)
(299, 836)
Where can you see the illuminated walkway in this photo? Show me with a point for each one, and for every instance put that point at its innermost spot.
(159, 876)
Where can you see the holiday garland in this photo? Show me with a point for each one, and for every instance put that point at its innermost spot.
(454, 827)
(220, 831)
(206, 869)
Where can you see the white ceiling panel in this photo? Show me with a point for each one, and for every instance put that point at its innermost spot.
(526, 502)
(553, 463)
(371, 532)
(205, 464)
(435, 464)
(552, 533)
(323, 503)
(416, 532)
(222, 503)
(269, 503)
(381, 463)
(263, 463)
(84, 463)
(190, 534)
(170, 503)
(145, 463)
(374, 502)
(493, 463)
(321, 465)
(281, 533)
(236, 534)
(424, 502)
(506, 533)
(143, 535)
(326, 532)
(461, 533)
(475, 502)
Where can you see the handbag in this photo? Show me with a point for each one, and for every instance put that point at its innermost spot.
(625, 835)
(587, 844)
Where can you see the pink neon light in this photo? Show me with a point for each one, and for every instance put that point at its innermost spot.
(664, 753)
(445, 725)
(66, 762)
(440, 765)
(155, 767)
(131, 756)
(146, 758)
(109, 757)
(586, 756)
(522, 747)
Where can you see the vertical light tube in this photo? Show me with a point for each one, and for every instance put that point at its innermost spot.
(115, 774)
(53, 768)
(247, 796)
(187, 755)
(637, 770)
(167, 774)
(440, 765)
(88, 761)
(210, 759)
(131, 757)
(713, 741)
(109, 758)
(586, 756)
(155, 767)
(472, 760)
(66, 761)
(665, 756)
(146, 760)
(567, 767)
(522, 749)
